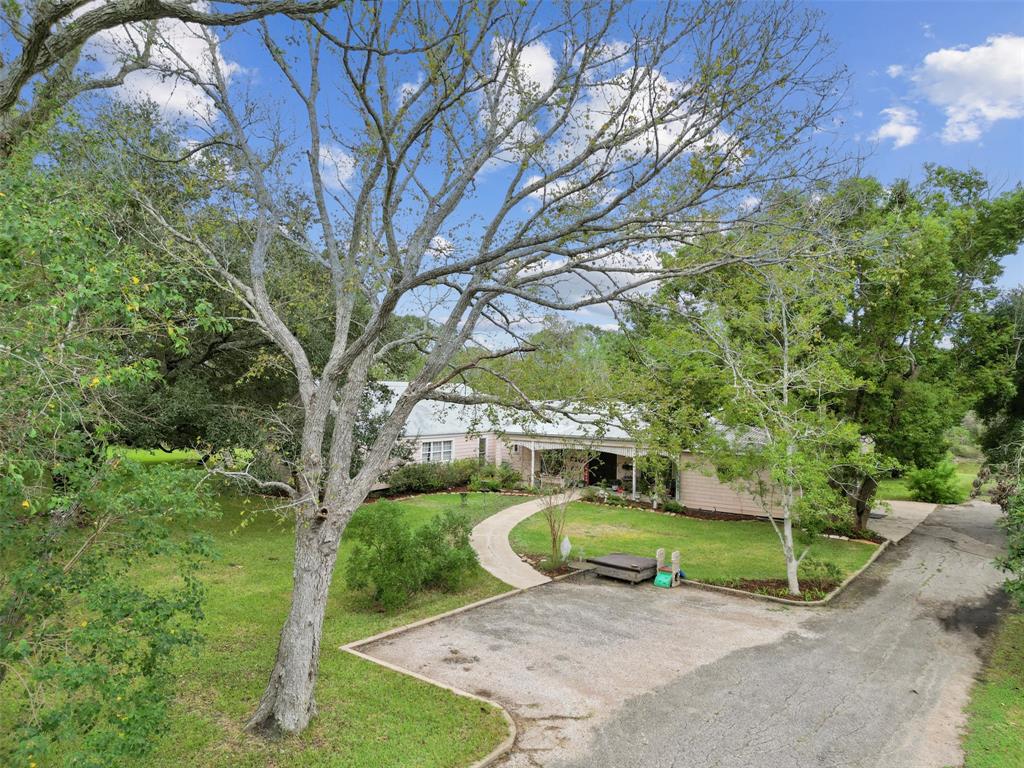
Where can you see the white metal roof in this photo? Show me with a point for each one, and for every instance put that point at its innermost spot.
(430, 418)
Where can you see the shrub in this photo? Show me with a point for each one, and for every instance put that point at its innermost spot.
(383, 554)
(674, 507)
(491, 477)
(589, 494)
(444, 550)
(820, 571)
(1013, 562)
(396, 562)
(430, 477)
(937, 484)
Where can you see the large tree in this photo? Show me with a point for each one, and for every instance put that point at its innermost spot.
(926, 259)
(468, 164)
(45, 60)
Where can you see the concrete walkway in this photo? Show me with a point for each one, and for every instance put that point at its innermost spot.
(490, 540)
(901, 517)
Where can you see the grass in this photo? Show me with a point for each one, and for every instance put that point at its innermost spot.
(896, 489)
(713, 551)
(996, 712)
(367, 716)
(155, 455)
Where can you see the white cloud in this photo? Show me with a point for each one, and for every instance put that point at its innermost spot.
(408, 88)
(535, 69)
(749, 203)
(976, 86)
(177, 42)
(926, 30)
(336, 166)
(894, 70)
(901, 126)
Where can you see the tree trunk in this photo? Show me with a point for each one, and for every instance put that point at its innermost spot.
(862, 504)
(792, 564)
(288, 703)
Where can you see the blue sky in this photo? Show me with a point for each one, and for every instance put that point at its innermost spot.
(939, 82)
(924, 61)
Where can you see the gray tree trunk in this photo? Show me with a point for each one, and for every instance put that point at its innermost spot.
(288, 703)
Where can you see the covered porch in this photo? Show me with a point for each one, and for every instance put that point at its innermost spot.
(612, 463)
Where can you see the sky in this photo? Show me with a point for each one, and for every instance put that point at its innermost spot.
(939, 82)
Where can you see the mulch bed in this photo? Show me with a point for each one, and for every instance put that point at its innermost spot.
(539, 563)
(812, 589)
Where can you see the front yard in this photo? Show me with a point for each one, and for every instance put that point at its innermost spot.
(368, 716)
(713, 551)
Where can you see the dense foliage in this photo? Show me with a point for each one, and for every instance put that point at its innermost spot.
(394, 561)
(427, 477)
(85, 307)
(937, 484)
(1013, 562)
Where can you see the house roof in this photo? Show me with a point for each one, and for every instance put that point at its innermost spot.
(431, 418)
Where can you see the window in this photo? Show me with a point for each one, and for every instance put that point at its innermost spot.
(481, 451)
(437, 450)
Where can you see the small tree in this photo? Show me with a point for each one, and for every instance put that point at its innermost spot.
(759, 329)
(569, 466)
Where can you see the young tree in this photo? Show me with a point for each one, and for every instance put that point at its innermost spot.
(472, 164)
(737, 366)
(773, 433)
(569, 466)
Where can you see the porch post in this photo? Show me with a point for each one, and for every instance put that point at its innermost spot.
(533, 457)
(634, 474)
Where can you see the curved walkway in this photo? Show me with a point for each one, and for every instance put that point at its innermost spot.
(490, 540)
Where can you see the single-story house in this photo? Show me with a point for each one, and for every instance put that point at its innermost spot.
(446, 432)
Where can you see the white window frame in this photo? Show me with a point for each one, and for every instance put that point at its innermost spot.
(436, 451)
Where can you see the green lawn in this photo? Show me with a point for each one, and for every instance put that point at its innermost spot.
(713, 551)
(155, 455)
(895, 489)
(995, 728)
(368, 716)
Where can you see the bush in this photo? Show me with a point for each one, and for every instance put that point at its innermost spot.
(446, 555)
(431, 477)
(819, 571)
(937, 484)
(491, 477)
(674, 507)
(589, 494)
(396, 562)
(383, 555)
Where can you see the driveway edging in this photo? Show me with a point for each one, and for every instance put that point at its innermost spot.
(513, 732)
(786, 601)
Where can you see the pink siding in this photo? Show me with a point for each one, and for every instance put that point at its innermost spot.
(699, 490)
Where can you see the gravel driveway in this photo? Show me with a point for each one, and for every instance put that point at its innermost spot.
(601, 674)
